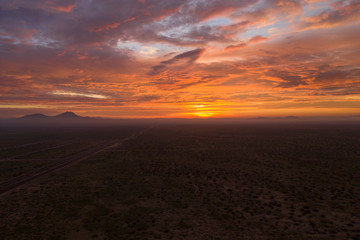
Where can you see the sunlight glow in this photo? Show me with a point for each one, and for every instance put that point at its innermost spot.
(73, 94)
(23, 106)
(204, 114)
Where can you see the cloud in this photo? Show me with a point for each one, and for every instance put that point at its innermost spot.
(73, 94)
(241, 45)
(151, 55)
(237, 46)
(268, 12)
(194, 11)
(340, 14)
(344, 90)
(148, 98)
(106, 27)
(338, 74)
(59, 6)
(179, 61)
(189, 57)
(289, 79)
(257, 39)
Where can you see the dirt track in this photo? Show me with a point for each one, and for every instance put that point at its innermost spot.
(14, 182)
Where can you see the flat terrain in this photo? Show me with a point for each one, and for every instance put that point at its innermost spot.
(183, 181)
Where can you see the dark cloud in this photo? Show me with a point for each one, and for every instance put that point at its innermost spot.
(148, 98)
(194, 11)
(288, 79)
(73, 23)
(343, 90)
(189, 56)
(181, 60)
(338, 74)
(342, 12)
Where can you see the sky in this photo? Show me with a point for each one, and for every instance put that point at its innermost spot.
(180, 58)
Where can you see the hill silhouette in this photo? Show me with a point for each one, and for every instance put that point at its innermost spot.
(64, 115)
(62, 119)
(68, 115)
(35, 116)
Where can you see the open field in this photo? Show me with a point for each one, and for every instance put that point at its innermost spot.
(26, 149)
(184, 181)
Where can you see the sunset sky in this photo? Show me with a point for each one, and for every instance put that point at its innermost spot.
(180, 58)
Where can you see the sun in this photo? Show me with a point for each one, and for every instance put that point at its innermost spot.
(204, 114)
(201, 110)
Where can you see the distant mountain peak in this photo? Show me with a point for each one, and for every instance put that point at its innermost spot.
(35, 116)
(62, 116)
(67, 115)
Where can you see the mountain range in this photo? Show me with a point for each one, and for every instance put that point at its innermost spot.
(61, 116)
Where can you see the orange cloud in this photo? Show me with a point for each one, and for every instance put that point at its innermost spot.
(236, 46)
(66, 9)
(257, 39)
(129, 20)
(106, 27)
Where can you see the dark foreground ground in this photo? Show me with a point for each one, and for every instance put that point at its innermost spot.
(184, 181)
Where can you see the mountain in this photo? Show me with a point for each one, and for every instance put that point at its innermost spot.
(65, 116)
(63, 119)
(36, 116)
(68, 115)
(275, 118)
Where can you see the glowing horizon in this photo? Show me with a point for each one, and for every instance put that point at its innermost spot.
(180, 58)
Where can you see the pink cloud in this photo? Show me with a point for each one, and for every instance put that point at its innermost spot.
(340, 14)
(66, 9)
(236, 46)
(257, 39)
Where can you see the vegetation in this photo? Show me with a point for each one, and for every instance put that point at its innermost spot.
(264, 181)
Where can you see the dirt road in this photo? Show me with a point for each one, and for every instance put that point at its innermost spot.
(93, 149)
